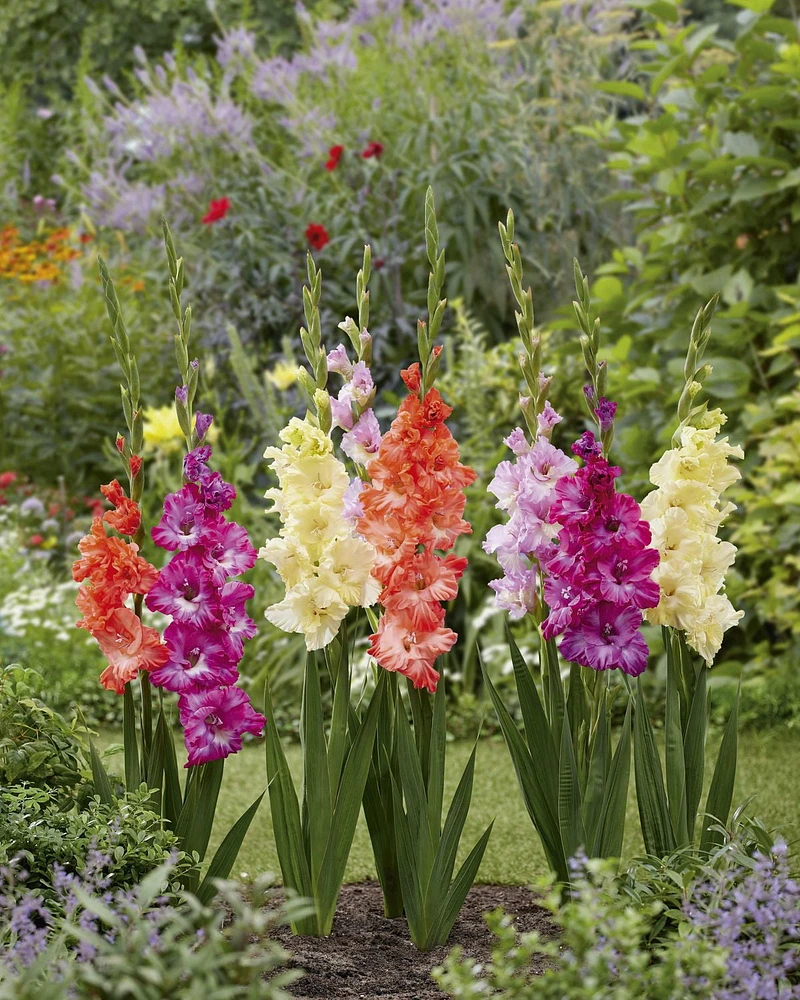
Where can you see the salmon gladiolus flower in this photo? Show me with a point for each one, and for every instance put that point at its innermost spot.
(109, 571)
(414, 507)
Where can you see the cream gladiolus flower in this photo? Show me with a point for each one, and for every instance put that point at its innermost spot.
(685, 513)
(325, 567)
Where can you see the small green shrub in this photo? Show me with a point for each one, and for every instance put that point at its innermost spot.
(41, 834)
(37, 745)
(140, 944)
(601, 950)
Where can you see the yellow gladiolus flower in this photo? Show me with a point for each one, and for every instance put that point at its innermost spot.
(324, 566)
(685, 512)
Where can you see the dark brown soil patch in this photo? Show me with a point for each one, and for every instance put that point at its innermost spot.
(369, 956)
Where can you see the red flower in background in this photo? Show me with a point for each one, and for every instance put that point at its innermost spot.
(317, 235)
(6, 479)
(35, 541)
(216, 210)
(372, 149)
(334, 155)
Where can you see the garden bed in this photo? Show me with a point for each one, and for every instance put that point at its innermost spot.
(368, 955)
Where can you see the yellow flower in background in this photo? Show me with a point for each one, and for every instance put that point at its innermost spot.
(685, 512)
(283, 375)
(163, 433)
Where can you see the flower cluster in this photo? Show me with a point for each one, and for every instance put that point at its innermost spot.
(685, 513)
(110, 570)
(599, 575)
(413, 507)
(37, 260)
(210, 624)
(326, 569)
(525, 489)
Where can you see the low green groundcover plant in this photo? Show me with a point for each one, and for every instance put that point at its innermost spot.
(738, 937)
(39, 834)
(138, 943)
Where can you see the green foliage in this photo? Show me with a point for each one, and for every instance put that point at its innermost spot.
(313, 851)
(603, 949)
(573, 786)
(426, 850)
(422, 108)
(42, 834)
(705, 144)
(769, 536)
(669, 795)
(38, 747)
(60, 384)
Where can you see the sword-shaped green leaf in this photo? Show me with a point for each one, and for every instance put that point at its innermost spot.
(674, 759)
(130, 744)
(720, 794)
(611, 825)
(315, 770)
(227, 852)
(102, 783)
(542, 811)
(659, 839)
(569, 795)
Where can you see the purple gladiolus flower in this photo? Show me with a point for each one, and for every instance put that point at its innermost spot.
(227, 550)
(185, 590)
(202, 421)
(182, 394)
(607, 635)
(605, 411)
(183, 522)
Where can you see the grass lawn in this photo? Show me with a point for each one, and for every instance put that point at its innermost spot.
(769, 768)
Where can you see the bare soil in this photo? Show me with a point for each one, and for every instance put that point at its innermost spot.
(368, 955)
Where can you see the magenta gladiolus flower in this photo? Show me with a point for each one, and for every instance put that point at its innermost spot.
(588, 543)
(227, 550)
(239, 625)
(214, 722)
(183, 522)
(197, 658)
(606, 636)
(599, 574)
(184, 589)
(210, 621)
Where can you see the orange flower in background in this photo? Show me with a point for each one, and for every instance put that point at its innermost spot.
(125, 517)
(110, 570)
(412, 508)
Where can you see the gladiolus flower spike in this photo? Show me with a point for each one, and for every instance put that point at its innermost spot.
(210, 624)
(110, 570)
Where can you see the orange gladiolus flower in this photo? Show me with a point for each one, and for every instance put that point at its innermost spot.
(125, 517)
(412, 508)
(129, 647)
(110, 570)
